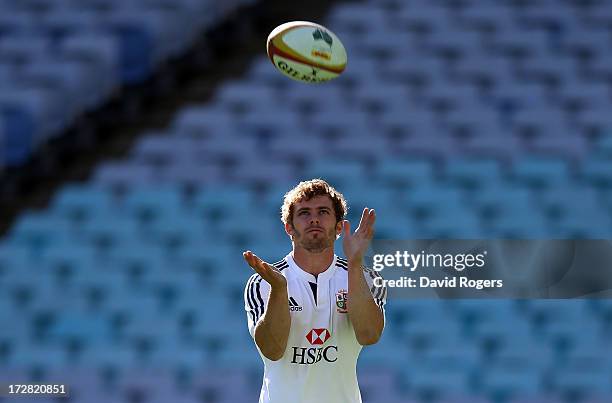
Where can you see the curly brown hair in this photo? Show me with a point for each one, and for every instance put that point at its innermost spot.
(306, 190)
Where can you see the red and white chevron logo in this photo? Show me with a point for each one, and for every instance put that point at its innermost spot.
(318, 336)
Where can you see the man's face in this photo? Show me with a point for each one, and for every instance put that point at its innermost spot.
(314, 225)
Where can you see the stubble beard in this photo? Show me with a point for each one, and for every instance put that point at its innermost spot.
(315, 245)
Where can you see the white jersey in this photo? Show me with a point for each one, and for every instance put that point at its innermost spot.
(319, 364)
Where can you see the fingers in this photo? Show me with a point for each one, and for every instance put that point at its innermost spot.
(255, 262)
(346, 228)
(262, 268)
(366, 224)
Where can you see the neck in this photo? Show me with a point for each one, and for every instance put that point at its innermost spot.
(313, 263)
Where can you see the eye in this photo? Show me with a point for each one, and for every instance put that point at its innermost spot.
(302, 213)
(324, 211)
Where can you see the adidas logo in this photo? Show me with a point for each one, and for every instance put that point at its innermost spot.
(293, 305)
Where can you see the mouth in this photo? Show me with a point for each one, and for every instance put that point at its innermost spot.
(314, 230)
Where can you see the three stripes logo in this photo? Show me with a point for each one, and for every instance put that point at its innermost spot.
(294, 306)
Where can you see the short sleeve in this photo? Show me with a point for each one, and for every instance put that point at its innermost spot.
(256, 295)
(377, 288)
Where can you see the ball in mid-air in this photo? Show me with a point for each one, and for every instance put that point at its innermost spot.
(307, 52)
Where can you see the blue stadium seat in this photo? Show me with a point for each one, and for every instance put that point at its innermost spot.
(403, 172)
(338, 172)
(283, 148)
(494, 201)
(450, 41)
(230, 146)
(508, 95)
(106, 231)
(266, 124)
(158, 149)
(13, 257)
(24, 48)
(241, 96)
(546, 16)
(193, 173)
(356, 18)
(60, 23)
(470, 118)
(485, 16)
(504, 383)
(376, 385)
(502, 146)
(541, 121)
(472, 311)
(519, 43)
(445, 94)
(172, 232)
(406, 71)
(428, 199)
(603, 147)
(482, 68)
(580, 41)
(599, 68)
(195, 15)
(137, 48)
(595, 121)
(435, 384)
(200, 121)
(383, 99)
(250, 170)
(597, 171)
(66, 260)
(330, 124)
(16, 22)
(581, 382)
(22, 113)
(473, 173)
(75, 82)
(39, 230)
(71, 326)
(541, 173)
(79, 202)
(137, 258)
(99, 50)
(544, 69)
(580, 95)
(385, 354)
(222, 201)
(421, 17)
(122, 175)
(29, 357)
(152, 202)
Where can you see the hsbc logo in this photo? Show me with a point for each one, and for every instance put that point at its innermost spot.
(313, 355)
(318, 336)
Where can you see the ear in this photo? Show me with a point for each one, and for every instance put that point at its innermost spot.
(339, 226)
(289, 229)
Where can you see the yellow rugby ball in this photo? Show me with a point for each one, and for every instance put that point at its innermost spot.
(307, 52)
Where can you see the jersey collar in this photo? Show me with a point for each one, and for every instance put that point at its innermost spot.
(326, 275)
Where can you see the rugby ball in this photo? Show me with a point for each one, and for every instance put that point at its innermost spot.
(307, 52)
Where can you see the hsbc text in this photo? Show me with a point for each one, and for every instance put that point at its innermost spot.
(312, 355)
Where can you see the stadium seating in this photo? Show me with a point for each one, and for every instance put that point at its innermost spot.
(454, 119)
(81, 53)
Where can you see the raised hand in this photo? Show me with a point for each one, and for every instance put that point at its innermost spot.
(356, 244)
(265, 270)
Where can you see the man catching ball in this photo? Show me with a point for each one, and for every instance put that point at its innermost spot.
(311, 312)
